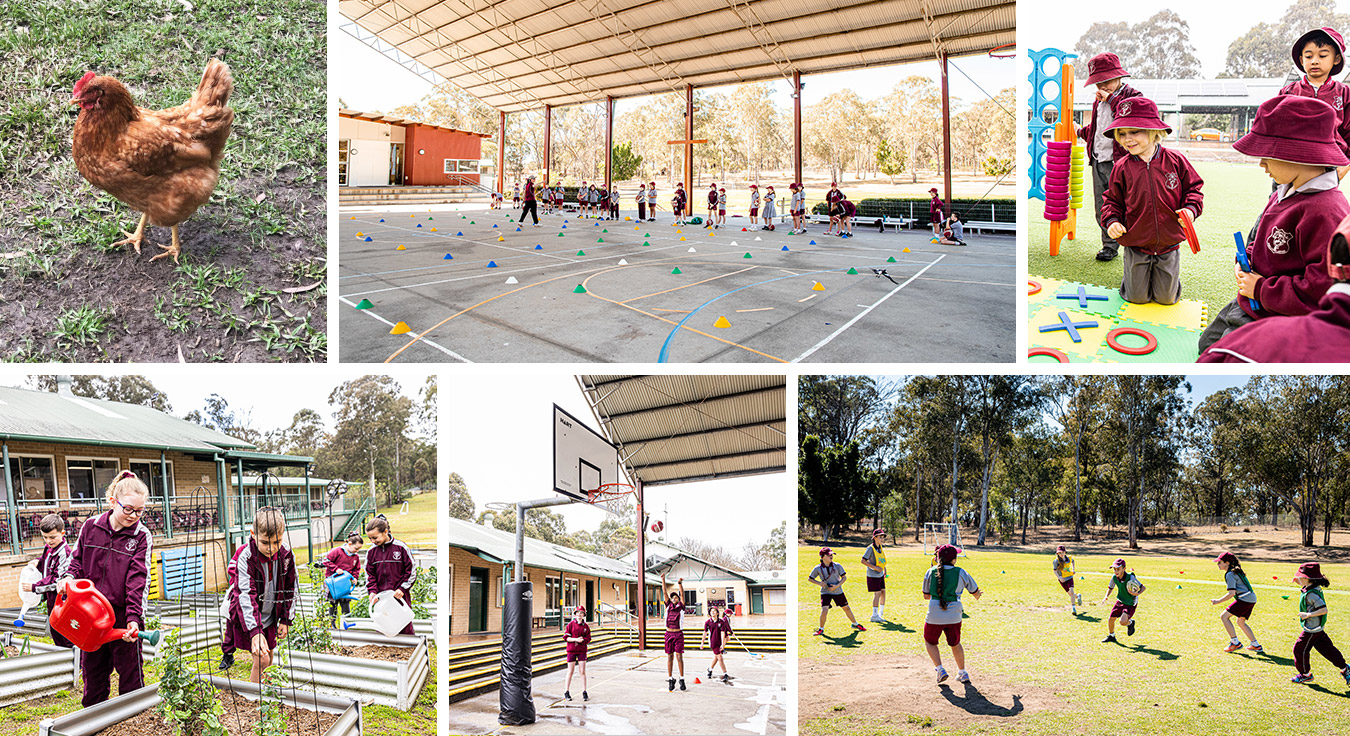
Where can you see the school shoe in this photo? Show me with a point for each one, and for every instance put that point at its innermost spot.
(1106, 254)
(682, 683)
(1110, 639)
(567, 695)
(818, 632)
(941, 675)
(727, 678)
(859, 627)
(671, 682)
(1074, 610)
(709, 673)
(1129, 630)
(963, 676)
(585, 696)
(1346, 674)
(227, 661)
(1302, 679)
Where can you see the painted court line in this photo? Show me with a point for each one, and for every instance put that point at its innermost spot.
(441, 348)
(865, 312)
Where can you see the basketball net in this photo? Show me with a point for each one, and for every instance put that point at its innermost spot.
(1006, 51)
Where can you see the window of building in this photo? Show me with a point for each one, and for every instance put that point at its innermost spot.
(777, 596)
(88, 477)
(553, 594)
(33, 479)
(731, 596)
(149, 473)
(571, 594)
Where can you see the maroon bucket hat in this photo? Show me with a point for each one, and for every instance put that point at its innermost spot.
(1331, 35)
(1310, 570)
(1300, 130)
(1103, 67)
(1135, 112)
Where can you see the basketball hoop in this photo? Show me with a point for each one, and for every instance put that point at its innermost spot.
(608, 493)
(1006, 51)
(499, 506)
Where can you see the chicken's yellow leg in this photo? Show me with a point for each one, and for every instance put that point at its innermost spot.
(171, 249)
(137, 237)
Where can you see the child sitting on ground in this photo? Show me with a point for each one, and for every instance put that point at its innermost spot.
(1295, 139)
(262, 599)
(1143, 201)
(954, 233)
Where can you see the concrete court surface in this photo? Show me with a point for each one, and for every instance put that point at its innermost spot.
(629, 695)
(940, 304)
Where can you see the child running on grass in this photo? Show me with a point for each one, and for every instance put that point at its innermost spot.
(262, 599)
(1064, 572)
(1128, 589)
(754, 206)
(113, 551)
(577, 635)
(769, 212)
(830, 575)
(674, 639)
(1312, 613)
(389, 566)
(52, 564)
(715, 631)
(1143, 203)
(1295, 139)
(942, 587)
(1244, 600)
(874, 559)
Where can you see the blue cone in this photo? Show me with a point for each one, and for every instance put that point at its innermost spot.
(368, 238)
(448, 257)
(492, 264)
(538, 247)
(785, 247)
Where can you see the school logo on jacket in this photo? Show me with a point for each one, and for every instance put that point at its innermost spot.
(398, 556)
(1172, 180)
(131, 546)
(1339, 102)
(1279, 240)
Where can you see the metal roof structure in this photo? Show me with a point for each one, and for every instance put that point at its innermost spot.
(678, 429)
(499, 547)
(518, 55)
(665, 557)
(42, 416)
(375, 117)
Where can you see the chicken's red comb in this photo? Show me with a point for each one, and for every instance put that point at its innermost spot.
(83, 81)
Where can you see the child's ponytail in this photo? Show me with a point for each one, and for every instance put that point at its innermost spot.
(937, 578)
(126, 483)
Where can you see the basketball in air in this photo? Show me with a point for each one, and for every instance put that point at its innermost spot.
(657, 527)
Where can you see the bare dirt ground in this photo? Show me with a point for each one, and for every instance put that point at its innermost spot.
(381, 653)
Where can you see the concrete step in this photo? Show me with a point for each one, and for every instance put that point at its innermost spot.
(489, 679)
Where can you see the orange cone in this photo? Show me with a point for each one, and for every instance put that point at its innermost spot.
(697, 681)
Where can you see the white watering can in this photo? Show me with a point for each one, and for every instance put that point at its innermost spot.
(389, 615)
(28, 576)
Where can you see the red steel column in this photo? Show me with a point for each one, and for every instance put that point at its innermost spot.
(641, 570)
(689, 147)
(548, 142)
(609, 138)
(797, 126)
(946, 139)
(501, 152)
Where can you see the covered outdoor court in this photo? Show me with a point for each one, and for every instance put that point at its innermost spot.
(652, 292)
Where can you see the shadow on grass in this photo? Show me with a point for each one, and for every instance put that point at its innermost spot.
(1163, 655)
(1087, 618)
(1337, 693)
(848, 641)
(895, 626)
(1267, 656)
(974, 702)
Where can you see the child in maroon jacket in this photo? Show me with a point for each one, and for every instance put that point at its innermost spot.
(389, 566)
(52, 563)
(1295, 139)
(346, 558)
(1320, 55)
(935, 217)
(113, 551)
(1143, 203)
(1107, 75)
(577, 635)
(262, 598)
(228, 646)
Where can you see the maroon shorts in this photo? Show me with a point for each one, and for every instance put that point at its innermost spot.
(578, 655)
(717, 648)
(837, 599)
(674, 642)
(931, 633)
(1121, 608)
(934, 219)
(243, 642)
(876, 584)
(1241, 609)
(754, 212)
(1066, 584)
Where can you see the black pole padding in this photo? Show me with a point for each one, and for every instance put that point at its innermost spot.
(517, 698)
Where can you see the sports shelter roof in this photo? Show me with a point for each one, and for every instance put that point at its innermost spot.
(517, 55)
(678, 429)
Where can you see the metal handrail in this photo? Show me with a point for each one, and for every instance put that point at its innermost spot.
(619, 615)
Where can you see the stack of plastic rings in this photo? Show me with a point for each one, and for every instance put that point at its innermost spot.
(1058, 162)
(1076, 178)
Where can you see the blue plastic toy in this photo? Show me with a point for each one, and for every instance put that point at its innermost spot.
(1082, 296)
(1041, 102)
(1245, 263)
(1068, 326)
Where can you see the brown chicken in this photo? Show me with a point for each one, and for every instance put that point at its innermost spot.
(162, 162)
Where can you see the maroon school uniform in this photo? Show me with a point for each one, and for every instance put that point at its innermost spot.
(834, 196)
(576, 650)
(390, 566)
(849, 208)
(227, 642)
(1290, 250)
(679, 200)
(1087, 132)
(715, 631)
(339, 559)
(118, 563)
(674, 634)
(1332, 92)
(53, 564)
(1145, 197)
(1320, 337)
(262, 596)
(935, 210)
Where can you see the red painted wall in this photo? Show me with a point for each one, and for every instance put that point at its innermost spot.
(429, 168)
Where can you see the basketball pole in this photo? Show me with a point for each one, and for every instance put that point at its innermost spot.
(521, 508)
(642, 570)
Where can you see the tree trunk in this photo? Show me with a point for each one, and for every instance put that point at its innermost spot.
(918, 501)
(1078, 487)
(956, 467)
(990, 457)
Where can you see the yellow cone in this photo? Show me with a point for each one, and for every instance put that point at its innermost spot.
(818, 287)
(500, 239)
(401, 248)
(360, 235)
(433, 229)
(721, 322)
(400, 329)
(906, 250)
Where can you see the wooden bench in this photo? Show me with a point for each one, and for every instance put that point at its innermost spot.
(976, 226)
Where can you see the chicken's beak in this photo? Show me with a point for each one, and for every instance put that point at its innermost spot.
(74, 101)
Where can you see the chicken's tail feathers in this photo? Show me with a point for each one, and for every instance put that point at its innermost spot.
(216, 85)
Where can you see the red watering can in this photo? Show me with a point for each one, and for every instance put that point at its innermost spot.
(86, 618)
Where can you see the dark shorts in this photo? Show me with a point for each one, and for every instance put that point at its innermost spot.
(876, 584)
(674, 642)
(243, 642)
(721, 212)
(1066, 584)
(1121, 608)
(934, 218)
(1241, 609)
(931, 633)
(718, 648)
(837, 599)
(577, 656)
(754, 211)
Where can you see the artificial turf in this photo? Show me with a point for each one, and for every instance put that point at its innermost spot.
(1171, 677)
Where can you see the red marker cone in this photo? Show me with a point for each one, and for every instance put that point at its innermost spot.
(697, 681)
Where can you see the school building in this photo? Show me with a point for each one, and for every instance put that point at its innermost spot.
(480, 562)
(377, 150)
(59, 452)
(1176, 98)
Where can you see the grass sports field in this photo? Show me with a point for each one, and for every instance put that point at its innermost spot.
(1036, 669)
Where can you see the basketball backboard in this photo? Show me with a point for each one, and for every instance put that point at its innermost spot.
(583, 460)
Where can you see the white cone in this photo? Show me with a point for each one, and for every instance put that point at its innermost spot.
(733, 242)
(512, 280)
(691, 250)
(623, 262)
(758, 238)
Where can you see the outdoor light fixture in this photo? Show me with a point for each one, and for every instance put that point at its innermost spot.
(421, 151)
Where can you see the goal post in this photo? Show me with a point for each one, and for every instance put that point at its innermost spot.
(937, 533)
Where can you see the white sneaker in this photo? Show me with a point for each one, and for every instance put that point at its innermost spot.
(941, 674)
(963, 676)
(877, 619)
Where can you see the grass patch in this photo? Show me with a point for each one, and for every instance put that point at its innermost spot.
(417, 528)
(1171, 677)
(261, 233)
(1234, 195)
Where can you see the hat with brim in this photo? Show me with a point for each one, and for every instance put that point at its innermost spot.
(1104, 67)
(1300, 130)
(1310, 570)
(1329, 34)
(933, 190)
(1139, 113)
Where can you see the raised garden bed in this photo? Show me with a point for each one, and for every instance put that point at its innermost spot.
(133, 714)
(195, 634)
(47, 669)
(393, 683)
(421, 626)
